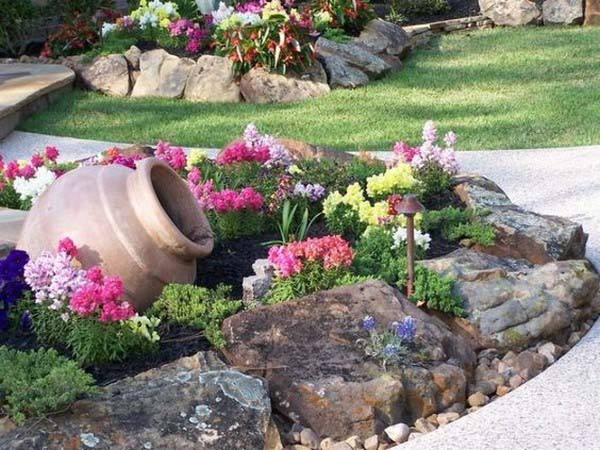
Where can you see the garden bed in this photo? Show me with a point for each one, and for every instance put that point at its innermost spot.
(498, 294)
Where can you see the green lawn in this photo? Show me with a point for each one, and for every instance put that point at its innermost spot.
(497, 89)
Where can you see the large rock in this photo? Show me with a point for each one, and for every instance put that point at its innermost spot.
(512, 13)
(380, 36)
(520, 233)
(211, 80)
(162, 75)
(341, 75)
(592, 12)
(299, 151)
(512, 305)
(320, 377)
(107, 74)
(565, 12)
(193, 403)
(353, 55)
(260, 86)
(133, 57)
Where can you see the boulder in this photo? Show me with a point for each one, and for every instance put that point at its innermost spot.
(520, 233)
(515, 309)
(193, 403)
(260, 86)
(565, 12)
(341, 75)
(299, 150)
(211, 80)
(512, 13)
(592, 12)
(107, 74)
(133, 57)
(162, 75)
(353, 55)
(319, 375)
(380, 36)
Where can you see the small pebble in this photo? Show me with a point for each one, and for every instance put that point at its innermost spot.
(398, 433)
(309, 438)
(372, 443)
(326, 444)
(478, 399)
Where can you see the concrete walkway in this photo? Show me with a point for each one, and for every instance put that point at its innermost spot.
(557, 409)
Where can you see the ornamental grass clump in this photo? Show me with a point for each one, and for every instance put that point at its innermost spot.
(391, 346)
(308, 266)
(84, 310)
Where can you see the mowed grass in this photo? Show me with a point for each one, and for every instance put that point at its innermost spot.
(497, 89)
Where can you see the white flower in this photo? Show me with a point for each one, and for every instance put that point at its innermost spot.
(222, 13)
(107, 27)
(249, 18)
(35, 186)
(148, 19)
(421, 239)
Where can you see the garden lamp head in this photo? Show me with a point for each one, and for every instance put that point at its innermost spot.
(409, 205)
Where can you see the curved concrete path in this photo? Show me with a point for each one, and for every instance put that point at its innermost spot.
(557, 409)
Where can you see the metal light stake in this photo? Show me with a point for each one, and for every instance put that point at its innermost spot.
(409, 206)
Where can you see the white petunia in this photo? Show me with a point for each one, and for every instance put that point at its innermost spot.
(107, 27)
(35, 186)
(421, 239)
(224, 12)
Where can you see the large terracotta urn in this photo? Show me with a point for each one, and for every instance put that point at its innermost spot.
(143, 225)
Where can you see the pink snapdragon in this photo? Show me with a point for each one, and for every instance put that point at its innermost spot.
(240, 151)
(51, 153)
(173, 156)
(254, 147)
(331, 251)
(229, 200)
(67, 246)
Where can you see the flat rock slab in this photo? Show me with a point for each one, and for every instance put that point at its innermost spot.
(512, 305)
(319, 375)
(23, 83)
(521, 233)
(193, 403)
(11, 223)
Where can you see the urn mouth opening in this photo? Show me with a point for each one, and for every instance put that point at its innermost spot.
(179, 221)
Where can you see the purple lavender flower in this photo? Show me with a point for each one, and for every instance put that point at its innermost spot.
(368, 323)
(429, 132)
(390, 350)
(450, 138)
(313, 192)
(406, 329)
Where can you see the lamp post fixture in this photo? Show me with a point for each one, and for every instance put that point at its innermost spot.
(409, 206)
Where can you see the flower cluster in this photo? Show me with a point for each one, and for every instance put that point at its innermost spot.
(330, 251)
(429, 152)
(313, 192)
(422, 240)
(193, 32)
(24, 169)
(115, 156)
(390, 346)
(173, 156)
(354, 198)
(29, 189)
(398, 179)
(240, 151)
(59, 282)
(254, 147)
(228, 200)
(155, 14)
(12, 285)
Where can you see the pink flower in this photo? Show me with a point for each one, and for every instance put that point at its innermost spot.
(174, 156)
(67, 246)
(37, 160)
(240, 151)
(27, 171)
(194, 176)
(403, 152)
(285, 262)
(86, 300)
(51, 153)
(11, 170)
(229, 200)
(95, 275)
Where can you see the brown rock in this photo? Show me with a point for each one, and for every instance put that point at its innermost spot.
(162, 75)
(299, 151)
(592, 12)
(211, 80)
(515, 381)
(133, 57)
(447, 417)
(193, 403)
(478, 399)
(380, 36)
(551, 351)
(503, 390)
(108, 74)
(372, 443)
(512, 13)
(297, 346)
(423, 426)
(309, 438)
(260, 86)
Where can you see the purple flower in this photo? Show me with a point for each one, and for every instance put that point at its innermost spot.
(368, 323)
(450, 138)
(406, 329)
(390, 350)
(12, 266)
(429, 132)
(3, 319)
(26, 320)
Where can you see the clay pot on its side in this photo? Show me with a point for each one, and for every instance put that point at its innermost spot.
(143, 225)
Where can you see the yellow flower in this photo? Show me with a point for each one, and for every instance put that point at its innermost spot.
(332, 200)
(164, 23)
(295, 170)
(398, 179)
(196, 156)
(354, 196)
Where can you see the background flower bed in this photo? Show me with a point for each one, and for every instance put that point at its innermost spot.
(496, 88)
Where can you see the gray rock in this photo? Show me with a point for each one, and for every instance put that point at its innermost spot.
(211, 80)
(355, 56)
(107, 74)
(380, 36)
(355, 442)
(341, 75)
(193, 403)
(520, 308)
(372, 443)
(550, 350)
(133, 57)
(309, 438)
(326, 444)
(340, 396)
(511, 13)
(162, 75)
(423, 426)
(447, 417)
(565, 12)
(398, 433)
(341, 446)
(520, 233)
(260, 86)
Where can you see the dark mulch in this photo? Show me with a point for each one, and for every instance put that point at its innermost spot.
(458, 9)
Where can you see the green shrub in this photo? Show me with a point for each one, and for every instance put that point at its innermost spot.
(313, 278)
(197, 307)
(345, 221)
(434, 180)
(419, 7)
(16, 25)
(435, 291)
(35, 383)
(237, 224)
(336, 35)
(9, 197)
(375, 257)
(360, 169)
(455, 224)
